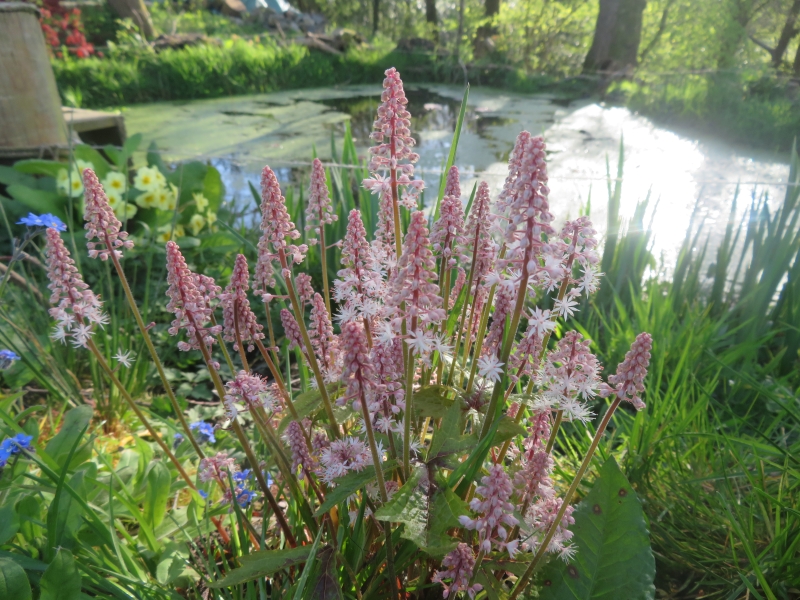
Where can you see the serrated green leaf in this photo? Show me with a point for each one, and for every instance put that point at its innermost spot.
(409, 506)
(156, 494)
(9, 523)
(506, 430)
(349, 485)
(449, 431)
(263, 563)
(75, 421)
(61, 580)
(13, 581)
(614, 558)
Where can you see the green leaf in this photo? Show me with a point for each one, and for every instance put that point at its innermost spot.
(156, 494)
(326, 584)
(306, 404)
(506, 430)
(65, 517)
(349, 485)
(75, 422)
(35, 166)
(13, 581)
(89, 154)
(173, 563)
(132, 144)
(448, 439)
(39, 201)
(409, 506)
(614, 558)
(432, 401)
(61, 580)
(263, 563)
(9, 523)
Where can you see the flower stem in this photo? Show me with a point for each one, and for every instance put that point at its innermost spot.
(522, 582)
(323, 251)
(151, 348)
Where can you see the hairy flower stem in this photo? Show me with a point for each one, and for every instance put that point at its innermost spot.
(251, 457)
(271, 331)
(407, 411)
(479, 339)
(376, 461)
(311, 359)
(522, 582)
(151, 348)
(323, 251)
(398, 239)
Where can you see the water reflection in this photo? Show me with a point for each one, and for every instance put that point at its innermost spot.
(676, 170)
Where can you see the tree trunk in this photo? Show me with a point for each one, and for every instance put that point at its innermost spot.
(137, 12)
(430, 11)
(787, 33)
(491, 7)
(376, 13)
(616, 36)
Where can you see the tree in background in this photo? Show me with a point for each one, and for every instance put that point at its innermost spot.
(615, 46)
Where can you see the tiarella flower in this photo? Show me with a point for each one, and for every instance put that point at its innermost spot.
(101, 222)
(318, 207)
(292, 330)
(541, 516)
(359, 285)
(188, 303)
(204, 432)
(461, 279)
(628, 382)
(7, 358)
(305, 292)
(301, 457)
(358, 372)
(533, 479)
(524, 204)
(275, 221)
(75, 307)
(387, 356)
(216, 467)
(412, 285)
(236, 307)
(490, 367)
(342, 457)
(565, 307)
(452, 185)
(323, 340)
(420, 343)
(570, 374)
(504, 301)
(249, 390)
(394, 142)
(495, 512)
(319, 441)
(46, 220)
(448, 231)
(124, 358)
(459, 565)
(540, 322)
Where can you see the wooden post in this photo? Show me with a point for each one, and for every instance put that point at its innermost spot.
(30, 107)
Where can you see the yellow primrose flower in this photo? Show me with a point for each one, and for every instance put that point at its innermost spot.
(165, 233)
(165, 199)
(130, 211)
(200, 201)
(62, 182)
(160, 179)
(76, 185)
(146, 179)
(147, 200)
(211, 217)
(115, 200)
(115, 182)
(196, 223)
(82, 165)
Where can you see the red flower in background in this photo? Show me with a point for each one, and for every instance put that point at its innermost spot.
(62, 27)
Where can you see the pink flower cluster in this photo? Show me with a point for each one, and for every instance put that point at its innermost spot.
(319, 211)
(236, 307)
(459, 564)
(448, 233)
(323, 340)
(276, 223)
(75, 307)
(248, 390)
(301, 457)
(628, 382)
(342, 457)
(570, 374)
(495, 512)
(216, 468)
(186, 300)
(101, 222)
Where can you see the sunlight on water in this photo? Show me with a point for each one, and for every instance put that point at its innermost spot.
(679, 170)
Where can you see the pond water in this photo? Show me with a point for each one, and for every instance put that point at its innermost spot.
(678, 170)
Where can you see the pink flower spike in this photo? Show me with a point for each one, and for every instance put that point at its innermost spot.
(236, 306)
(570, 374)
(319, 211)
(478, 235)
(459, 566)
(628, 382)
(301, 457)
(188, 303)
(342, 457)
(496, 512)
(75, 307)
(412, 284)
(275, 221)
(323, 340)
(292, 330)
(101, 222)
(305, 291)
(249, 390)
(452, 185)
(216, 467)
(358, 372)
(448, 231)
